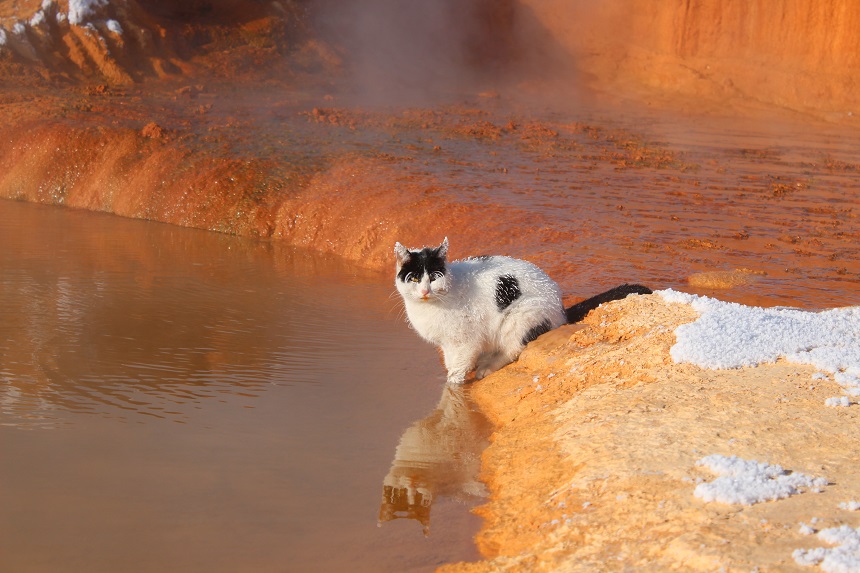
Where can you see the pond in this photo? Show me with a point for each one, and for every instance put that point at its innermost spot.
(177, 400)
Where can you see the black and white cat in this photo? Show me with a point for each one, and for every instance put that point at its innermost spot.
(482, 311)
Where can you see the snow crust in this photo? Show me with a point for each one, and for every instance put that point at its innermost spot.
(747, 482)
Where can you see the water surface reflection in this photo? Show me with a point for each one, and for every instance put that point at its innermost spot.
(438, 456)
(172, 399)
(112, 317)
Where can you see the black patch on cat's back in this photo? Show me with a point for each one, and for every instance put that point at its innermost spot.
(419, 262)
(536, 331)
(507, 291)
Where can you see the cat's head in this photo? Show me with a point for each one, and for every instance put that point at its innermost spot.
(421, 273)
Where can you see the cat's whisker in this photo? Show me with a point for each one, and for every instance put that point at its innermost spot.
(398, 305)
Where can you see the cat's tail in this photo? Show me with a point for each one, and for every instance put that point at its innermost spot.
(578, 311)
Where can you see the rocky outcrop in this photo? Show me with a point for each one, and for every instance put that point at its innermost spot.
(120, 42)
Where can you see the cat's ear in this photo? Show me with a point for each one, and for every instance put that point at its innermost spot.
(443, 249)
(402, 254)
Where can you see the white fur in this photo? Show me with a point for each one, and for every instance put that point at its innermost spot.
(459, 314)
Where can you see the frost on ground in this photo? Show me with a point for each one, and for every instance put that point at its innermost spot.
(844, 558)
(850, 505)
(747, 482)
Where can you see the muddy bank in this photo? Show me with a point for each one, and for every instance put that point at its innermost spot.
(593, 464)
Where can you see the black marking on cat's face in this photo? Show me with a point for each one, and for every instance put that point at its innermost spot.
(536, 331)
(507, 291)
(427, 261)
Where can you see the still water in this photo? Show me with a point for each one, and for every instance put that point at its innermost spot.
(176, 400)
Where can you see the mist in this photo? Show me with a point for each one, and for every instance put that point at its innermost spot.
(417, 50)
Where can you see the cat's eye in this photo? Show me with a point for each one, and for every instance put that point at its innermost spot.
(412, 278)
(436, 275)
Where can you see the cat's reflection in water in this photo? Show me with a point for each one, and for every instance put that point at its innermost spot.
(438, 456)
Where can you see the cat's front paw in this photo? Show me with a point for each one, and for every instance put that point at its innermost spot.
(456, 378)
(483, 373)
(489, 364)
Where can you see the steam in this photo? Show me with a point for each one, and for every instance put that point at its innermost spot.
(397, 48)
(400, 50)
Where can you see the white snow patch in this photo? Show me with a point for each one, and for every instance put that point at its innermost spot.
(38, 18)
(838, 402)
(114, 27)
(805, 529)
(747, 482)
(847, 379)
(81, 10)
(2, 37)
(819, 376)
(19, 29)
(844, 558)
(731, 335)
(679, 297)
(850, 505)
